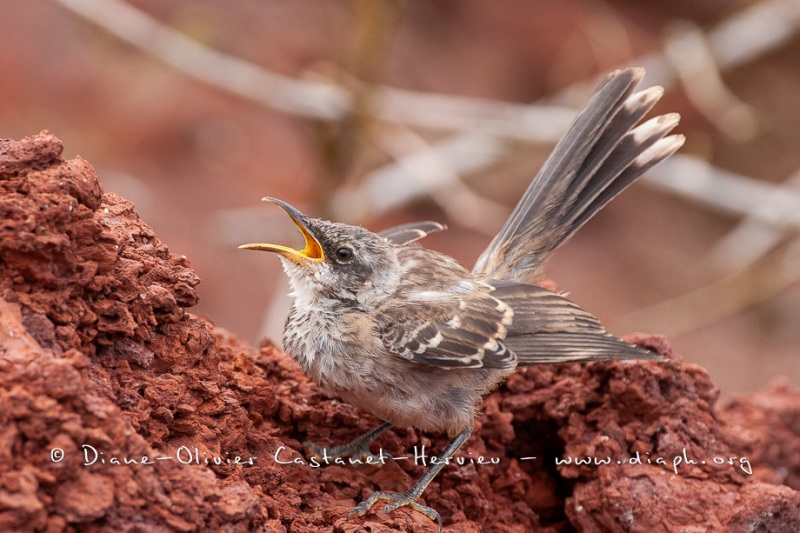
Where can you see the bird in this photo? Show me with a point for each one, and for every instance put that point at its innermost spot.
(412, 336)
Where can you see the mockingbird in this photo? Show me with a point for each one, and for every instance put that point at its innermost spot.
(413, 337)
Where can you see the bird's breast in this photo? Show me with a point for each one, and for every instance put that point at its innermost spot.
(334, 346)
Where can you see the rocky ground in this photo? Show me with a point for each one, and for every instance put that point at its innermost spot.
(116, 404)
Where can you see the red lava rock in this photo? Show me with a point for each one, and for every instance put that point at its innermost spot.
(119, 410)
(766, 427)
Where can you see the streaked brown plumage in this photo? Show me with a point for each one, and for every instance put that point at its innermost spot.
(410, 335)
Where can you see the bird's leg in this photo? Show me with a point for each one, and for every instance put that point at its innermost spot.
(357, 449)
(409, 498)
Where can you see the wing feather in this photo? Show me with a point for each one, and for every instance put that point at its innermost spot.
(548, 328)
(458, 330)
(460, 322)
(412, 232)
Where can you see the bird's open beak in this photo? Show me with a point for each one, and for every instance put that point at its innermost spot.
(313, 249)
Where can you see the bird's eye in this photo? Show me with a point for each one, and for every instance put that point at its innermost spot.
(344, 254)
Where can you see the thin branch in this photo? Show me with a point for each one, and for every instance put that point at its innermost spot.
(690, 56)
(528, 122)
(304, 98)
(740, 38)
(314, 99)
(427, 171)
(728, 192)
(412, 174)
(752, 238)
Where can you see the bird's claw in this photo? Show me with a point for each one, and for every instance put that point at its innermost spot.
(397, 499)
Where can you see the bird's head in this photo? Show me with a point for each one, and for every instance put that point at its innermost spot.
(338, 261)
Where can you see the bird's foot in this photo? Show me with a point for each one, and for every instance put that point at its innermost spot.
(397, 499)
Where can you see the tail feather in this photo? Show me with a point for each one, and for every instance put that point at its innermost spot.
(607, 150)
(602, 153)
(636, 152)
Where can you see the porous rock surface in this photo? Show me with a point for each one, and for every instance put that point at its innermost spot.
(116, 405)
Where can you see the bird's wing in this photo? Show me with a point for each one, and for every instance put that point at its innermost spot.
(450, 329)
(548, 328)
(414, 231)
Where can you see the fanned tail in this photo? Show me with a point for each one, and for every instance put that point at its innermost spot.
(602, 153)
